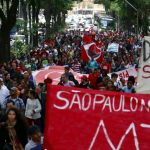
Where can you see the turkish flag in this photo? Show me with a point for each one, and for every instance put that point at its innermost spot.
(90, 50)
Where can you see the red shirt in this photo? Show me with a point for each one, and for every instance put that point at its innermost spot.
(92, 79)
(107, 67)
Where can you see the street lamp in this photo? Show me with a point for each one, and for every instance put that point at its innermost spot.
(137, 14)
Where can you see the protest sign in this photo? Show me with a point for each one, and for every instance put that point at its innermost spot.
(81, 119)
(144, 68)
(126, 73)
(113, 47)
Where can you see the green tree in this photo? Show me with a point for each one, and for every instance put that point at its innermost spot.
(8, 14)
(128, 15)
(55, 11)
(30, 10)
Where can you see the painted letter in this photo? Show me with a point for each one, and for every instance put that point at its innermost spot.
(98, 101)
(89, 99)
(133, 100)
(62, 99)
(75, 100)
(107, 104)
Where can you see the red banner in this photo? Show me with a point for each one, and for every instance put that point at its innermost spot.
(81, 119)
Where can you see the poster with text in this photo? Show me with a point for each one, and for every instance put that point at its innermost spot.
(144, 68)
(82, 119)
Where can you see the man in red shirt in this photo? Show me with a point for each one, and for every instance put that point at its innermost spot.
(93, 78)
(106, 66)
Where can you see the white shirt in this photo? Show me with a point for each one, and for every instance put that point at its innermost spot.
(33, 105)
(4, 92)
(30, 145)
(69, 84)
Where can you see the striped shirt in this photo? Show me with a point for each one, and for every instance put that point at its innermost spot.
(76, 67)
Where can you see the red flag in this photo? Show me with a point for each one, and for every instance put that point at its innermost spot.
(87, 39)
(91, 51)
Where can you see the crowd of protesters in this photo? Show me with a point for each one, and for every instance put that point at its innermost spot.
(22, 102)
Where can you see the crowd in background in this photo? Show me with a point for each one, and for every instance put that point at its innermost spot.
(18, 90)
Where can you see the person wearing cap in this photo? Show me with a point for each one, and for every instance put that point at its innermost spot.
(13, 97)
(4, 92)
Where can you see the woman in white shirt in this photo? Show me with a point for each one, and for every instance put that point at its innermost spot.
(33, 109)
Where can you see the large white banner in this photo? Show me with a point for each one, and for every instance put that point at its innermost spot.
(126, 73)
(144, 68)
(53, 72)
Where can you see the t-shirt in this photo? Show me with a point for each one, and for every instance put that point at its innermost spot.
(38, 147)
(127, 90)
(33, 146)
(4, 92)
(69, 84)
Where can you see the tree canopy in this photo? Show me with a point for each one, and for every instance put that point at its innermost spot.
(54, 11)
(128, 15)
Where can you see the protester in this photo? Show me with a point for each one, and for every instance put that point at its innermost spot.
(76, 66)
(72, 78)
(93, 78)
(92, 64)
(14, 99)
(13, 131)
(64, 81)
(110, 86)
(84, 82)
(67, 72)
(114, 78)
(35, 139)
(33, 109)
(129, 88)
(65, 50)
(8, 81)
(4, 92)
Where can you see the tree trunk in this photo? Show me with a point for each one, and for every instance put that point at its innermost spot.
(7, 23)
(47, 18)
(30, 30)
(33, 24)
(35, 13)
(25, 17)
(59, 18)
(4, 45)
(36, 32)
